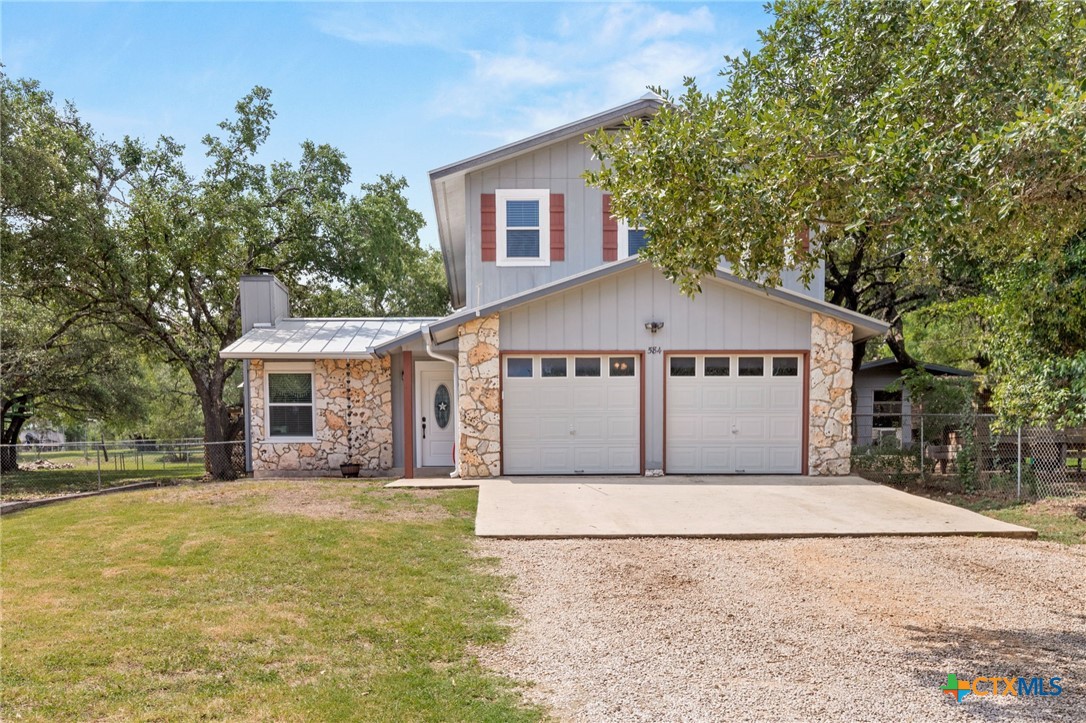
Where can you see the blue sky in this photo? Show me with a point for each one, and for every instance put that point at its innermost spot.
(399, 87)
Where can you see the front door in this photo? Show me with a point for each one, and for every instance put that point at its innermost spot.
(434, 415)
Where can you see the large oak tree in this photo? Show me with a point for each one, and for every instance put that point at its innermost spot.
(135, 241)
(927, 144)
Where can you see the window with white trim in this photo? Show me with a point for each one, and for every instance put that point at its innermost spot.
(631, 239)
(289, 402)
(523, 226)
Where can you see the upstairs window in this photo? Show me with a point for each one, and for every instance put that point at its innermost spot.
(631, 239)
(523, 221)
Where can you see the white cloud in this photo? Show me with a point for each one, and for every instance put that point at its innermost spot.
(522, 79)
(593, 57)
(515, 70)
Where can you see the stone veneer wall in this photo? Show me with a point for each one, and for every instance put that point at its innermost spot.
(480, 398)
(371, 425)
(830, 439)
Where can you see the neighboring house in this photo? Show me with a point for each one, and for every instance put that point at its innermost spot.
(565, 355)
(882, 412)
(32, 434)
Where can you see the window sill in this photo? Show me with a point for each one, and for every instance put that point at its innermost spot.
(523, 262)
(289, 440)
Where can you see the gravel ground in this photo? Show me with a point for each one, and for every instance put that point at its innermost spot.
(790, 630)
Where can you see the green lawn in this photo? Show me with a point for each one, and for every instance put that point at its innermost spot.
(1057, 519)
(83, 475)
(250, 600)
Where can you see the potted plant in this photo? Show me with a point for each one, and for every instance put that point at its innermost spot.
(350, 468)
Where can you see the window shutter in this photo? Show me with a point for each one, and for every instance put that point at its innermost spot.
(558, 227)
(610, 231)
(804, 236)
(489, 227)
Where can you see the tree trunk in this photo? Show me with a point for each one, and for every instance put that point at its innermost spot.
(219, 432)
(14, 416)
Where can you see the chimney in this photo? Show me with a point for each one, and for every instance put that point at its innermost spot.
(264, 301)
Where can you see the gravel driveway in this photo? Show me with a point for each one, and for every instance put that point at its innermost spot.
(787, 630)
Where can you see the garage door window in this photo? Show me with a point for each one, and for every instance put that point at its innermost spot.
(785, 366)
(621, 366)
(751, 366)
(683, 366)
(518, 368)
(718, 366)
(552, 367)
(586, 367)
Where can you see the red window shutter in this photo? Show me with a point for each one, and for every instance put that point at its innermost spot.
(558, 227)
(610, 231)
(804, 236)
(489, 227)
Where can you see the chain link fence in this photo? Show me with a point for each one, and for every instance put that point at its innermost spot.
(32, 471)
(969, 453)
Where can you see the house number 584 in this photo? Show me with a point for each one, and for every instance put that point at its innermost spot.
(655, 350)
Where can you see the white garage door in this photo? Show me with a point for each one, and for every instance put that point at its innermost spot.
(734, 414)
(571, 414)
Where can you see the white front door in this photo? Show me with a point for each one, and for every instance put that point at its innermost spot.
(434, 414)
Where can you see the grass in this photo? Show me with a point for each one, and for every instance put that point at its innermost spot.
(83, 475)
(1056, 519)
(252, 600)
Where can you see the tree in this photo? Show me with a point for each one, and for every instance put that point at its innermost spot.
(50, 369)
(155, 252)
(921, 141)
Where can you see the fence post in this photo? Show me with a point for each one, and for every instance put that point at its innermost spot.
(98, 459)
(921, 445)
(1019, 466)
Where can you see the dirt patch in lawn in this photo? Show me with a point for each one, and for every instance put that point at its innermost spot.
(316, 499)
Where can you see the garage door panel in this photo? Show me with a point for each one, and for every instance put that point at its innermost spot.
(785, 398)
(784, 459)
(749, 397)
(684, 397)
(751, 459)
(784, 429)
(551, 429)
(748, 428)
(685, 428)
(554, 396)
(588, 397)
(733, 424)
(715, 397)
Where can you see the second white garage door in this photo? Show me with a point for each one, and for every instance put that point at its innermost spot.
(734, 414)
(571, 414)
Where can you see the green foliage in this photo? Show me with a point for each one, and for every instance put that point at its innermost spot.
(930, 145)
(938, 395)
(120, 234)
(909, 128)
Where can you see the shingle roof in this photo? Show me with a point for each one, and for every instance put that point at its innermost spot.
(324, 338)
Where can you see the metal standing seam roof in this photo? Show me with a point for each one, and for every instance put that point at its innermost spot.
(322, 338)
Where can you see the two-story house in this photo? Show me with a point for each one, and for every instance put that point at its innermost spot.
(566, 354)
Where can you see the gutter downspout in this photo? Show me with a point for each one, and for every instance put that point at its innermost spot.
(248, 421)
(428, 339)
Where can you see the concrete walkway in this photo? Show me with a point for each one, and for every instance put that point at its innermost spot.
(755, 507)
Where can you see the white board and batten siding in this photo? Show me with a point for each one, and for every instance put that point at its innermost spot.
(558, 168)
(611, 313)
